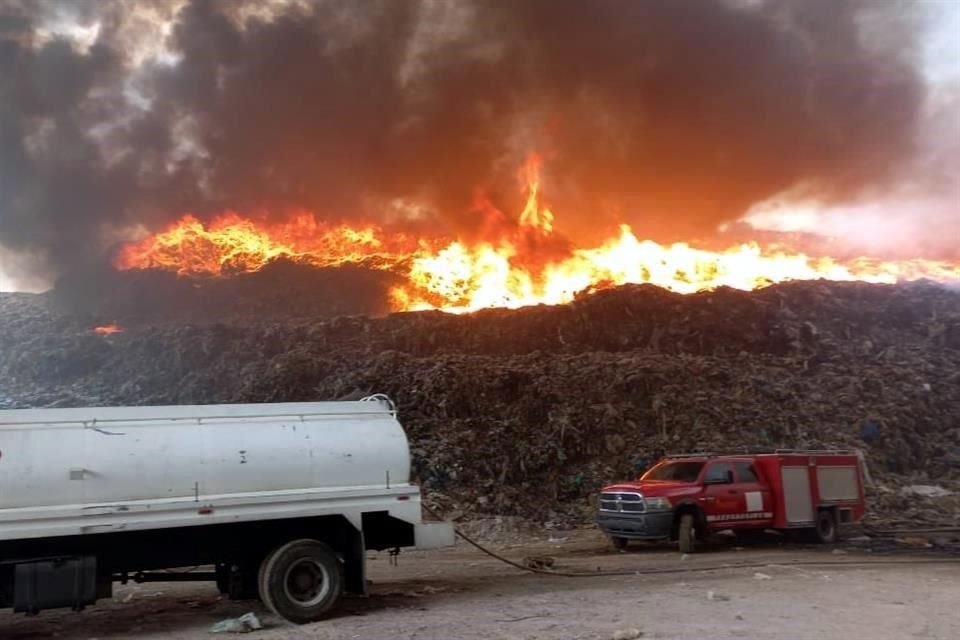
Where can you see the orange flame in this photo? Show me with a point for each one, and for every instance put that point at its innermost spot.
(533, 215)
(458, 276)
(107, 330)
(232, 244)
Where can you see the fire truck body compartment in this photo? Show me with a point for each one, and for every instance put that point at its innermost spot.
(797, 499)
(803, 483)
(837, 483)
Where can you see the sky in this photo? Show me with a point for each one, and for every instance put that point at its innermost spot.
(885, 224)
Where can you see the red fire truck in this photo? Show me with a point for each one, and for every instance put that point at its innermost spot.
(685, 497)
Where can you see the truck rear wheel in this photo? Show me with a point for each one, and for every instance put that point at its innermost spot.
(301, 581)
(826, 530)
(686, 533)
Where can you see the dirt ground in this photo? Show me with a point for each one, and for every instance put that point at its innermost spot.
(460, 594)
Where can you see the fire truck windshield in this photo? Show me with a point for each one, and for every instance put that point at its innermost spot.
(675, 471)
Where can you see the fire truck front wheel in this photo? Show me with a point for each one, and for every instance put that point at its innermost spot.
(826, 529)
(687, 533)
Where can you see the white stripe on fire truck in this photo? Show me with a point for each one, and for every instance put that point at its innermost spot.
(740, 516)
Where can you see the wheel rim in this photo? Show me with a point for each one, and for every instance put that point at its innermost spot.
(306, 583)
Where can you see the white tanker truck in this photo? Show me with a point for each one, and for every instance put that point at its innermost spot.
(281, 501)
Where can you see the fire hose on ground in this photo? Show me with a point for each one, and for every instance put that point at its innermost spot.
(677, 570)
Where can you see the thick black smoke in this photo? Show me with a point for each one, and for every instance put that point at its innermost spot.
(674, 116)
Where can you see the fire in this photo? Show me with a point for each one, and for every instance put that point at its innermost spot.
(534, 216)
(232, 244)
(107, 330)
(457, 276)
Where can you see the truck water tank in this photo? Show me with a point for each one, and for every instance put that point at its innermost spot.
(79, 458)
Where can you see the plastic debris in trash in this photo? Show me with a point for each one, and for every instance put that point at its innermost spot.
(870, 432)
(925, 491)
(244, 624)
(539, 562)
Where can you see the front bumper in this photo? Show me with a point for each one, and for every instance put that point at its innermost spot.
(640, 526)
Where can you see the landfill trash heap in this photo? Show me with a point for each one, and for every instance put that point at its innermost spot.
(528, 412)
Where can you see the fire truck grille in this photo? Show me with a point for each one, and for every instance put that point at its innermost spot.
(622, 502)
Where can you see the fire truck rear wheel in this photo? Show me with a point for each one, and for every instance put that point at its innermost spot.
(301, 581)
(620, 544)
(686, 533)
(826, 529)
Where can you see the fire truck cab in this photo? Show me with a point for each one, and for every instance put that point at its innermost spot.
(686, 497)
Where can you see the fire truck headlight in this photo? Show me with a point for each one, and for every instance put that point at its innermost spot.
(658, 504)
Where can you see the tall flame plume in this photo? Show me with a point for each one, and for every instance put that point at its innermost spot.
(457, 276)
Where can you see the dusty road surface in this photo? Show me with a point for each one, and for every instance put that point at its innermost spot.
(460, 594)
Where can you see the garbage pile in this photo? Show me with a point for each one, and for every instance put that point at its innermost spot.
(528, 412)
(278, 292)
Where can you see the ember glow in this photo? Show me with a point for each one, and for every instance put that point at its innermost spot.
(457, 276)
(107, 330)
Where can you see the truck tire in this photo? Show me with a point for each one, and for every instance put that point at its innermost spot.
(620, 544)
(826, 530)
(687, 533)
(301, 581)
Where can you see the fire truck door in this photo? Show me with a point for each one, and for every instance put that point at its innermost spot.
(757, 500)
(723, 500)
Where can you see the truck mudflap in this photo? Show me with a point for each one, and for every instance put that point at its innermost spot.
(433, 535)
(649, 526)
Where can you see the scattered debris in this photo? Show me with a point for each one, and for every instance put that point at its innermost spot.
(244, 624)
(626, 634)
(717, 597)
(925, 490)
(539, 562)
(424, 590)
(914, 541)
(762, 576)
(522, 618)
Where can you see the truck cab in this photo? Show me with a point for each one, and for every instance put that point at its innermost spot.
(686, 497)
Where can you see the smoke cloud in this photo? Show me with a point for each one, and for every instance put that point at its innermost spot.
(672, 116)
